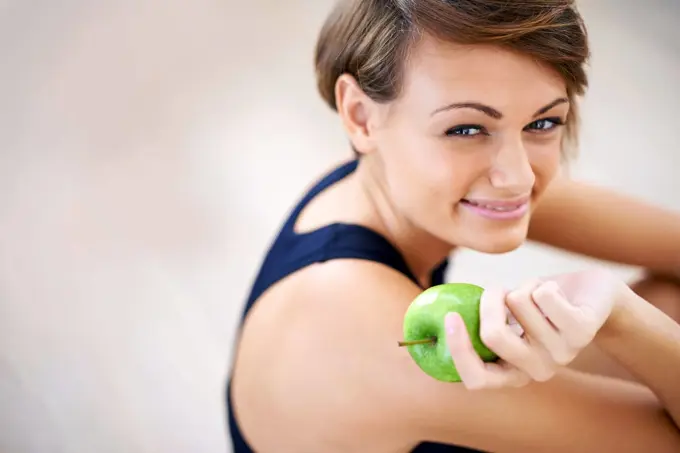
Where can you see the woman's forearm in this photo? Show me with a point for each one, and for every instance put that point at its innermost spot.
(646, 342)
(607, 225)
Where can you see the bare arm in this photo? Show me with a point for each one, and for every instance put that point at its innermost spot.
(647, 343)
(603, 224)
(571, 412)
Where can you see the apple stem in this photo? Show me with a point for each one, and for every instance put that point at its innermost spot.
(431, 340)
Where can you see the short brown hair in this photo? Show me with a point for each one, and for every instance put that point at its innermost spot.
(370, 40)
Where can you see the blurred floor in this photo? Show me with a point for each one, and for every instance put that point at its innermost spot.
(149, 150)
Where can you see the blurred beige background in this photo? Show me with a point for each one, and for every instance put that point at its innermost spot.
(148, 151)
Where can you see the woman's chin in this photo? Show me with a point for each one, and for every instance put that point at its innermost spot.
(496, 242)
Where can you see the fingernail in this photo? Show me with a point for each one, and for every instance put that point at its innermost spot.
(450, 323)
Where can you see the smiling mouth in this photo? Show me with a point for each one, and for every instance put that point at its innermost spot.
(498, 210)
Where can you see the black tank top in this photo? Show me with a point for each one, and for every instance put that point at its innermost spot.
(293, 251)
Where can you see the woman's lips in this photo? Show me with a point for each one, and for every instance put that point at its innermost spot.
(498, 209)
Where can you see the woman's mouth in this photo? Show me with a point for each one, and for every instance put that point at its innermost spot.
(498, 209)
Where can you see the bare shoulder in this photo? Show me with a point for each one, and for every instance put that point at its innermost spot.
(320, 334)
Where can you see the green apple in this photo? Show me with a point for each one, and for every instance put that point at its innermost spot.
(425, 333)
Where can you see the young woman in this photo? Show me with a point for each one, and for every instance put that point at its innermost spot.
(460, 114)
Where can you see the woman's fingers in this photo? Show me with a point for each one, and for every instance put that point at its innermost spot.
(495, 332)
(567, 318)
(555, 306)
(474, 372)
(522, 307)
(549, 330)
(498, 336)
(507, 375)
(525, 304)
(469, 365)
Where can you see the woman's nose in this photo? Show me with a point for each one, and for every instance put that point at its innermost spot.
(512, 171)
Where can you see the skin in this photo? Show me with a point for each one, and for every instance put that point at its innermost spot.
(352, 389)
(415, 175)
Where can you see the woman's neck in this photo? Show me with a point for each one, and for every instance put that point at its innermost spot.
(422, 251)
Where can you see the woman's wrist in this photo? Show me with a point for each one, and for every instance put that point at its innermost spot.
(621, 318)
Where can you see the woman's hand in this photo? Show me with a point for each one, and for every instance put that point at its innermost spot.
(556, 319)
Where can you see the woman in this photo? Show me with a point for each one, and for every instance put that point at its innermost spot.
(460, 113)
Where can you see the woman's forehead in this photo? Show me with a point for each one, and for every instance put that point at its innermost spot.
(479, 72)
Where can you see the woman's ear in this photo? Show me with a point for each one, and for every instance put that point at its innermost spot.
(356, 111)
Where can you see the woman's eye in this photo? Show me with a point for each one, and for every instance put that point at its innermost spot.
(466, 130)
(545, 124)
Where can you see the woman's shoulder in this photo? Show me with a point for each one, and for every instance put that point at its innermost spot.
(340, 288)
(335, 315)
(319, 335)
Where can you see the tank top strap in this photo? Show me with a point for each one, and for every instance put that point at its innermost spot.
(293, 251)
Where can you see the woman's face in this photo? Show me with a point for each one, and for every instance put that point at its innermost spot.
(471, 143)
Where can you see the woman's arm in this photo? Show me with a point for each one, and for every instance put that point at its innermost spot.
(571, 412)
(647, 343)
(642, 338)
(603, 224)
